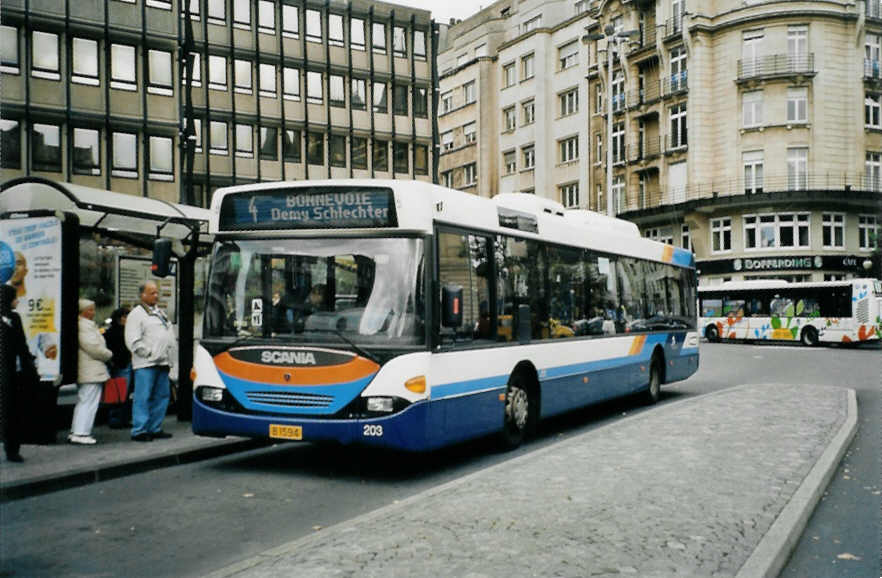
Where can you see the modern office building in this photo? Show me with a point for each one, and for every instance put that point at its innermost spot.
(95, 92)
(749, 131)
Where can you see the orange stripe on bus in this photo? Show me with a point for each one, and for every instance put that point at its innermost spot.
(668, 254)
(637, 345)
(358, 368)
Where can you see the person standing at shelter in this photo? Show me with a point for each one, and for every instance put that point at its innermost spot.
(150, 338)
(120, 366)
(18, 372)
(92, 358)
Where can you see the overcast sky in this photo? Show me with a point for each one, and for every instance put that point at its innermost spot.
(444, 10)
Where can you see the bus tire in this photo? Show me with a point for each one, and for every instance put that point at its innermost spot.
(809, 336)
(520, 411)
(653, 390)
(712, 333)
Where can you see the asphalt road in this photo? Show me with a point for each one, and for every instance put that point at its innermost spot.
(192, 519)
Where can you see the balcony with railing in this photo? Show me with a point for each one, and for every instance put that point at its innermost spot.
(646, 38)
(871, 70)
(776, 66)
(675, 84)
(673, 27)
(645, 149)
(650, 93)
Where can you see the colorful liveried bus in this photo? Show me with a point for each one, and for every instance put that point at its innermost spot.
(407, 315)
(829, 311)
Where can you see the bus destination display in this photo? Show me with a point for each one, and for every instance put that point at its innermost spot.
(308, 208)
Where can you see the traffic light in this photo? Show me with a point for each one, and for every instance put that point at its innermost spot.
(162, 254)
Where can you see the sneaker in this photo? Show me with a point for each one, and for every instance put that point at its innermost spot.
(160, 435)
(142, 437)
(82, 440)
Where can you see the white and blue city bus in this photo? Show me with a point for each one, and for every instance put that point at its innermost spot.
(407, 315)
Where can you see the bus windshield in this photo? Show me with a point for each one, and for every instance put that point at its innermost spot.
(365, 290)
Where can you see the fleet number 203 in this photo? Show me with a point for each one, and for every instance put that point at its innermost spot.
(373, 431)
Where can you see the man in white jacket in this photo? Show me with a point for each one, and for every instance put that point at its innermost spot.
(151, 339)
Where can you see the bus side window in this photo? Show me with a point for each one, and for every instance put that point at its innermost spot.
(463, 261)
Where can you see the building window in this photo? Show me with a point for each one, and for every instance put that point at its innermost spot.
(337, 150)
(509, 161)
(531, 24)
(797, 99)
(420, 159)
(314, 89)
(678, 126)
(291, 146)
(399, 99)
(217, 72)
(447, 179)
(197, 134)
(618, 192)
(797, 47)
(833, 230)
(358, 96)
(399, 41)
(358, 152)
(335, 30)
(468, 92)
(868, 232)
(45, 56)
(529, 109)
(618, 142)
(291, 83)
(196, 71)
(569, 102)
(378, 37)
(401, 163)
(598, 148)
(752, 108)
(721, 235)
(242, 76)
(618, 91)
(527, 70)
(217, 11)
(686, 238)
(86, 151)
(569, 195)
(678, 69)
(661, 234)
(419, 44)
(266, 16)
(242, 13)
(159, 74)
(873, 171)
(568, 55)
(509, 77)
(218, 138)
(290, 21)
(871, 110)
(447, 102)
(447, 140)
(9, 56)
(786, 230)
(569, 149)
(529, 157)
(753, 171)
(509, 119)
(470, 175)
(313, 26)
(85, 61)
(751, 53)
(10, 144)
(244, 141)
(356, 33)
(336, 90)
(469, 133)
(381, 103)
(380, 155)
(598, 99)
(122, 67)
(161, 158)
(315, 148)
(421, 102)
(797, 166)
(46, 147)
(269, 148)
(267, 74)
(125, 155)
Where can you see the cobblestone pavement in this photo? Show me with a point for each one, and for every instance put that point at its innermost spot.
(686, 489)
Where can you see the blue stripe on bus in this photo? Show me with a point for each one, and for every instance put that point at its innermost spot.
(683, 258)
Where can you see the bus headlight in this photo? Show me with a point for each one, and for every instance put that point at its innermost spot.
(379, 404)
(214, 394)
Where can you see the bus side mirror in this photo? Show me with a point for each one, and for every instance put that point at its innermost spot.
(451, 305)
(162, 253)
(525, 329)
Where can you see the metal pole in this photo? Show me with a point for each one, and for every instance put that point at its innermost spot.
(610, 207)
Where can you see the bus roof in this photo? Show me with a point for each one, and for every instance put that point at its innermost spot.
(418, 206)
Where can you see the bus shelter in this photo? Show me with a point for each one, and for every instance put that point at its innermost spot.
(105, 223)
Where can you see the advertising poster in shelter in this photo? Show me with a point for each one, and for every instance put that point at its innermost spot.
(132, 272)
(30, 261)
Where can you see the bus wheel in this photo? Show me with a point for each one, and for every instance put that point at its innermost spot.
(518, 410)
(651, 395)
(809, 336)
(712, 333)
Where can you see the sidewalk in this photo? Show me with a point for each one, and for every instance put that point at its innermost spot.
(718, 485)
(48, 468)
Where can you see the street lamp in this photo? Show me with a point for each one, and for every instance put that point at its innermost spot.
(614, 39)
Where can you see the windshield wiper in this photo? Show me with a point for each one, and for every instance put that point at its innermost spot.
(361, 351)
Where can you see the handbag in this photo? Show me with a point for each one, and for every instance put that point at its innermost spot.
(115, 391)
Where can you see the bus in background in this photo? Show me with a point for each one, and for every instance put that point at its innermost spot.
(828, 311)
(407, 315)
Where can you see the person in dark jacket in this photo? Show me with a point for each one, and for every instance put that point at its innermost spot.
(119, 416)
(17, 372)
